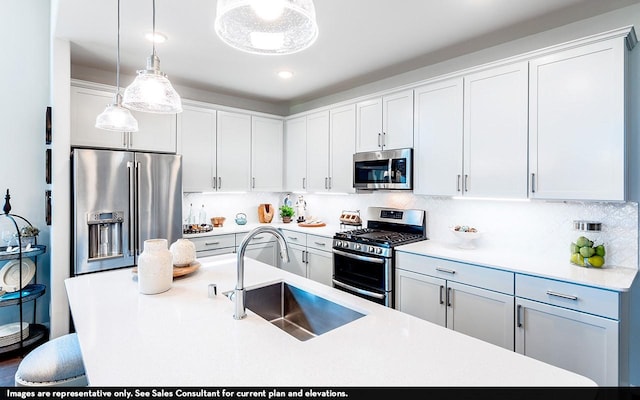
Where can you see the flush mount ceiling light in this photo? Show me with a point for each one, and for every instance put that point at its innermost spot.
(267, 26)
(115, 117)
(151, 91)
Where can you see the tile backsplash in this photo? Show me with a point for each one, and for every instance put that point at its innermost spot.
(533, 227)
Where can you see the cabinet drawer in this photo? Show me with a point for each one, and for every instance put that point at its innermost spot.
(214, 242)
(294, 237)
(263, 238)
(568, 295)
(469, 274)
(319, 242)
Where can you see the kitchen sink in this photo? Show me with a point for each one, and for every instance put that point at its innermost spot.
(301, 314)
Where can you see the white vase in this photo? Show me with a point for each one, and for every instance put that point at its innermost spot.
(184, 252)
(155, 267)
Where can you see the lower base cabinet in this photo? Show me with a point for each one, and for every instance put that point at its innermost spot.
(572, 327)
(309, 256)
(477, 312)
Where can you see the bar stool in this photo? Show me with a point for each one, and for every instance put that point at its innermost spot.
(57, 362)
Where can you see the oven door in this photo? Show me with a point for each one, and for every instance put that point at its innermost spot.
(369, 277)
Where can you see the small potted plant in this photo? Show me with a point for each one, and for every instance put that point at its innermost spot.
(28, 234)
(286, 212)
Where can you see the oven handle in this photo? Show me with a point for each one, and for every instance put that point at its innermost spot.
(357, 290)
(359, 257)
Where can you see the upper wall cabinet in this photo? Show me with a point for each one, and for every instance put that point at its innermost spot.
(495, 132)
(295, 154)
(266, 154)
(157, 132)
(438, 138)
(318, 151)
(577, 123)
(342, 132)
(385, 122)
(233, 151)
(197, 144)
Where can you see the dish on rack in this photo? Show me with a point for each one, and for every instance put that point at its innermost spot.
(10, 274)
(10, 333)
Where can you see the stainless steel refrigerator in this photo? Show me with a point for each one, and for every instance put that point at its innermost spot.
(120, 199)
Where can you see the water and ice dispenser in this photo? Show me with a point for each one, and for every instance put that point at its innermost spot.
(105, 234)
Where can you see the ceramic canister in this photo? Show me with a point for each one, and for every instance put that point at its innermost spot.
(183, 251)
(155, 267)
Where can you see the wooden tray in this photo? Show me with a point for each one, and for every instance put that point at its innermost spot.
(308, 225)
(179, 271)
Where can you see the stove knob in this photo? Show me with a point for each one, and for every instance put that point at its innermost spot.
(357, 247)
(378, 250)
(371, 249)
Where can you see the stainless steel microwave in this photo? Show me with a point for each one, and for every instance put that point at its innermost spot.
(385, 169)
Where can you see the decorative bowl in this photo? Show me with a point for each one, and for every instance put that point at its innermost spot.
(466, 238)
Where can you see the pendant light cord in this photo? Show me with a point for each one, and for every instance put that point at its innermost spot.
(154, 28)
(118, 54)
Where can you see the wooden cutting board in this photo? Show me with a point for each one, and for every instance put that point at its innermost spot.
(311, 225)
(178, 271)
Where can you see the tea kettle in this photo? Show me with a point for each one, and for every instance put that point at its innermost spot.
(241, 218)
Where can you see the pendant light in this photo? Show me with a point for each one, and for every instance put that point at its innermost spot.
(267, 26)
(151, 91)
(115, 117)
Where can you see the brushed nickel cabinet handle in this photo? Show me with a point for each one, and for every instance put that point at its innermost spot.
(466, 182)
(445, 270)
(448, 297)
(441, 292)
(458, 183)
(518, 320)
(562, 295)
(533, 186)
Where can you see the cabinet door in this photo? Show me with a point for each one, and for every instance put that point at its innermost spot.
(263, 252)
(156, 132)
(266, 154)
(438, 138)
(197, 144)
(480, 313)
(422, 296)
(86, 105)
(342, 129)
(295, 154)
(320, 266)
(369, 125)
(579, 342)
(495, 132)
(577, 123)
(296, 264)
(233, 138)
(318, 152)
(397, 120)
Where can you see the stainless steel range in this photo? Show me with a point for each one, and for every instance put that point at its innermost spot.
(363, 258)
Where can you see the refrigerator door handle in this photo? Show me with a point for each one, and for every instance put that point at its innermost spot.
(131, 223)
(137, 209)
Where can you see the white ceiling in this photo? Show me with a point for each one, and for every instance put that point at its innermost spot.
(360, 41)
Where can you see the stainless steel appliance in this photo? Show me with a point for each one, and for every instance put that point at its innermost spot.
(385, 169)
(363, 259)
(120, 199)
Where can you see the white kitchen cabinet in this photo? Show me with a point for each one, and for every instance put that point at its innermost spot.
(318, 151)
(263, 248)
(571, 326)
(342, 132)
(156, 132)
(469, 299)
(214, 245)
(197, 144)
(577, 123)
(233, 152)
(295, 154)
(438, 132)
(385, 122)
(495, 132)
(266, 154)
(310, 256)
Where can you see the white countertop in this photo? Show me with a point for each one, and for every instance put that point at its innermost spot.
(611, 278)
(184, 338)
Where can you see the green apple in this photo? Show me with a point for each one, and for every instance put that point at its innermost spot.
(600, 250)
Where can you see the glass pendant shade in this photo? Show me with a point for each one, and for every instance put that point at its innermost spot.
(152, 92)
(117, 118)
(267, 26)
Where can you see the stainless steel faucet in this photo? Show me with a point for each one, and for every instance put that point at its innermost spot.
(238, 292)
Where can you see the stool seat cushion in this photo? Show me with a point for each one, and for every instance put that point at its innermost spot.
(57, 362)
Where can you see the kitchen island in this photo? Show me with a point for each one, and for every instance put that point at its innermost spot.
(184, 337)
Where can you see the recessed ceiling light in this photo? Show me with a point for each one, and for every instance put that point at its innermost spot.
(285, 74)
(157, 37)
